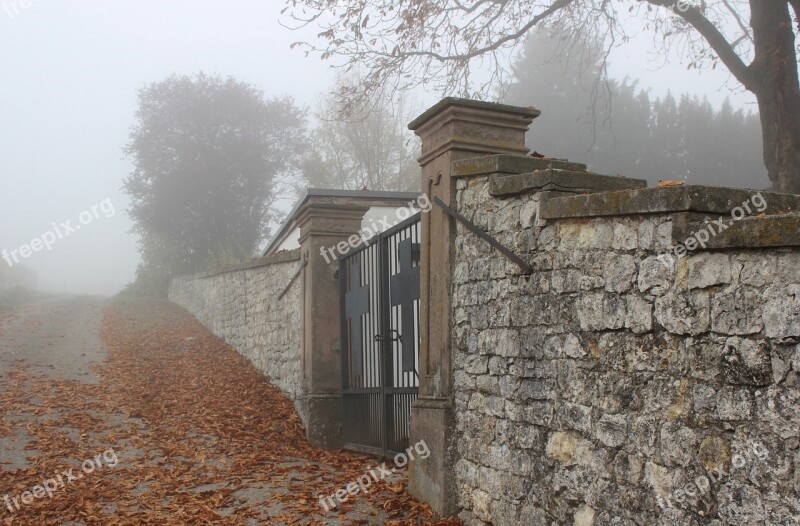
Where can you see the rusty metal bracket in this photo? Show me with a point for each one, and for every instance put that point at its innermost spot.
(472, 227)
(294, 278)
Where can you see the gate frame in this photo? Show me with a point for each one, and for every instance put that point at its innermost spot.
(384, 311)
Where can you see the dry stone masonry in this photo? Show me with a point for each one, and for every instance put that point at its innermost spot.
(241, 306)
(281, 311)
(645, 372)
(615, 385)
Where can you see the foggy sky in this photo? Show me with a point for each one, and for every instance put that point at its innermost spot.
(70, 72)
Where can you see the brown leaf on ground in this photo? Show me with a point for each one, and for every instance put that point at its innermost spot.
(211, 442)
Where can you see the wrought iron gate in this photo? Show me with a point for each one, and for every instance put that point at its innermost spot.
(380, 339)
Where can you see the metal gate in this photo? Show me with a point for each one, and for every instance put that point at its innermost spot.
(380, 339)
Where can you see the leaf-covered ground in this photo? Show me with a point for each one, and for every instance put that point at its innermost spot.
(192, 433)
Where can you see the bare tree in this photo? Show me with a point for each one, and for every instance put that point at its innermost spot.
(367, 147)
(438, 42)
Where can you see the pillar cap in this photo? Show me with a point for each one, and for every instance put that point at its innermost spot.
(473, 128)
(494, 107)
(329, 219)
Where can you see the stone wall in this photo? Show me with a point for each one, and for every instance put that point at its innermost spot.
(614, 386)
(241, 306)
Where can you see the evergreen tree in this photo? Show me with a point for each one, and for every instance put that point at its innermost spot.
(616, 128)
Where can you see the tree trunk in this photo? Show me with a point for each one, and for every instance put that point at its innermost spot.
(777, 90)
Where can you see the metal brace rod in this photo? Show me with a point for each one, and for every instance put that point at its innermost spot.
(291, 281)
(472, 227)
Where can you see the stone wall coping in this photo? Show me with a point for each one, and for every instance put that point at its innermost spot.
(511, 175)
(749, 232)
(686, 198)
(560, 180)
(262, 261)
(510, 164)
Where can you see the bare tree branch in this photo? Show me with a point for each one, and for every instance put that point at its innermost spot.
(724, 50)
(401, 45)
(742, 25)
(497, 44)
(372, 148)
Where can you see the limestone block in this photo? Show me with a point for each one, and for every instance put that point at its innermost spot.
(735, 403)
(566, 280)
(598, 311)
(736, 310)
(707, 269)
(705, 397)
(561, 446)
(576, 416)
(584, 516)
(656, 274)
(625, 237)
(612, 430)
(688, 313)
(620, 272)
(781, 314)
(646, 235)
(527, 213)
(639, 314)
(628, 469)
(757, 270)
(677, 444)
(747, 362)
(573, 347)
(740, 504)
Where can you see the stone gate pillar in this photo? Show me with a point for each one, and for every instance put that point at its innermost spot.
(323, 225)
(451, 130)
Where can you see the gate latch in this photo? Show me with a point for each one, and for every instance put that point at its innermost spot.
(395, 337)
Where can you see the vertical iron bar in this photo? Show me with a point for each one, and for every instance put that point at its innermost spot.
(386, 341)
(344, 343)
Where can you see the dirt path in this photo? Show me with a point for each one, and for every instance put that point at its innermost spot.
(60, 338)
(132, 413)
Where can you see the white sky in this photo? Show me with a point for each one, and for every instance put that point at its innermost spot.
(68, 82)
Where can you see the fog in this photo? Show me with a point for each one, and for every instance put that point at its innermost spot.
(70, 72)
